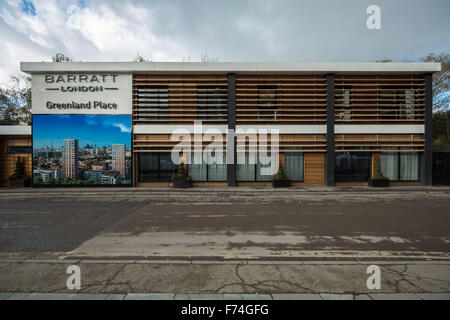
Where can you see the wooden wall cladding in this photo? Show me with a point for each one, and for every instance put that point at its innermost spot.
(379, 99)
(8, 160)
(314, 172)
(285, 99)
(179, 99)
(379, 142)
(289, 143)
(163, 143)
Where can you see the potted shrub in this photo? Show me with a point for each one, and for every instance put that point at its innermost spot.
(18, 178)
(280, 179)
(378, 179)
(181, 179)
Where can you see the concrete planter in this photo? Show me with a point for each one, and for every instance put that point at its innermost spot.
(19, 183)
(379, 183)
(281, 183)
(181, 183)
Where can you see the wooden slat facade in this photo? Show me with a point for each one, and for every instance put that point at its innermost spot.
(379, 142)
(280, 99)
(179, 99)
(8, 160)
(379, 99)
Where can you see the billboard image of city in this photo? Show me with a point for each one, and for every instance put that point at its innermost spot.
(82, 150)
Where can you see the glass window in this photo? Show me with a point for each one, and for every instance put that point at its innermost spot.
(400, 166)
(155, 167)
(410, 95)
(344, 107)
(212, 102)
(153, 103)
(293, 165)
(389, 165)
(148, 167)
(197, 172)
(409, 166)
(166, 167)
(208, 172)
(19, 149)
(218, 172)
(352, 166)
(245, 172)
(267, 103)
(259, 176)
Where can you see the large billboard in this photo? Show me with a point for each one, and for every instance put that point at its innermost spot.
(82, 150)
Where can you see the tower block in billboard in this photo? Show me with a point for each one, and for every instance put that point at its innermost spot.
(70, 158)
(118, 159)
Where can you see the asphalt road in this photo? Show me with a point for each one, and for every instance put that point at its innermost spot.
(58, 225)
(135, 227)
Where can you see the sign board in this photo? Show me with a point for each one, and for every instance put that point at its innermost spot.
(81, 93)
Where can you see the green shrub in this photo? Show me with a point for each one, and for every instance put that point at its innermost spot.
(181, 175)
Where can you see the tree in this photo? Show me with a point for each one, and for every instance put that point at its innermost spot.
(140, 58)
(19, 170)
(15, 101)
(205, 58)
(441, 97)
(385, 60)
(441, 132)
(441, 81)
(60, 57)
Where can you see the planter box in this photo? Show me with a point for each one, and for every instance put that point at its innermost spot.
(281, 183)
(379, 183)
(17, 183)
(181, 183)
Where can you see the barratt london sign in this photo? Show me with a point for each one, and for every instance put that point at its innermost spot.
(103, 93)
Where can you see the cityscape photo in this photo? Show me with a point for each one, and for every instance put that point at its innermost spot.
(82, 149)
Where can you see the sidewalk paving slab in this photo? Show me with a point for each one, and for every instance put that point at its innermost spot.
(434, 296)
(52, 296)
(296, 296)
(150, 296)
(336, 296)
(396, 296)
(246, 296)
(362, 297)
(163, 262)
(116, 296)
(18, 296)
(90, 296)
(199, 296)
(4, 295)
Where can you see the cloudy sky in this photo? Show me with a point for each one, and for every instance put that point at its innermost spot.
(232, 30)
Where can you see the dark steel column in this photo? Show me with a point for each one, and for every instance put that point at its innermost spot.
(426, 161)
(231, 144)
(330, 155)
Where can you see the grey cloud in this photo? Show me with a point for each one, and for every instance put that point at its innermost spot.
(244, 30)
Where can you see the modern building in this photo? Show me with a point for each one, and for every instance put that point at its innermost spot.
(111, 177)
(47, 175)
(92, 175)
(118, 159)
(335, 121)
(70, 159)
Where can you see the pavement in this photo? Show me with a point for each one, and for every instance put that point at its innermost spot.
(171, 296)
(304, 242)
(224, 277)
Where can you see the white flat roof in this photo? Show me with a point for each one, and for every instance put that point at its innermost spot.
(236, 67)
(15, 130)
